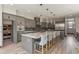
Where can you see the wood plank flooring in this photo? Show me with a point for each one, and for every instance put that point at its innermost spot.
(68, 45)
(11, 48)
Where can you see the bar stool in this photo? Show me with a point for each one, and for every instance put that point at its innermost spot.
(54, 34)
(58, 33)
(42, 44)
(50, 39)
(57, 39)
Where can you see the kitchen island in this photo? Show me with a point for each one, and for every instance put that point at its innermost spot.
(22, 32)
(28, 40)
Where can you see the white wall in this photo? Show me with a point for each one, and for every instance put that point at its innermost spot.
(1, 27)
(24, 14)
(8, 9)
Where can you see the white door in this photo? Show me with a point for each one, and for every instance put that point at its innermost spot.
(1, 36)
(1, 27)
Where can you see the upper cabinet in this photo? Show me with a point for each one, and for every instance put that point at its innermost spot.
(6, 16)
(20, 21)
(29, 23)
(37, 21)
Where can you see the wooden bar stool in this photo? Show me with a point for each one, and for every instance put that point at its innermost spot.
(58, 33)
(54, 39)
(42, 45)
(54, 36)
(50, 40)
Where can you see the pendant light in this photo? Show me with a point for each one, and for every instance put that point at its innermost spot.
(41, 4)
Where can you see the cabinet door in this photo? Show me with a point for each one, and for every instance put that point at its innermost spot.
(32, 23)
(5, 16)
(20, 21)
(8, 16)
(37, 21)
(27, 23)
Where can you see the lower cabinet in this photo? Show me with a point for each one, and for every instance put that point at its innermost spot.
(19, 36)
(22, 32)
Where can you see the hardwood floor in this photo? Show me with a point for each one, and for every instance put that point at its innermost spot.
(68, 45)
(12, 49)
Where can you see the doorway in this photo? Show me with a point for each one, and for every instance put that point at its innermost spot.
(71, 25)
(7, 32)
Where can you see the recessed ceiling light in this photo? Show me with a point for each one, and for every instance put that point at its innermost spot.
(11, 4)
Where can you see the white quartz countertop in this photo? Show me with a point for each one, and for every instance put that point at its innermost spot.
(38, 34)
(34, 35)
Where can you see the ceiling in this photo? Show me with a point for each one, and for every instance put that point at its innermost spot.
(54, 10)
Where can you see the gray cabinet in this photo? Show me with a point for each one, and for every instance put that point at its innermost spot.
(19, 36)
(27, 44)
(20, 21)
(22, 32)
(6, 16)
(14, 32)
(29, 23)
(37, 21)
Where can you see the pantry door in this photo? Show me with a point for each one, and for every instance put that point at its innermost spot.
(1, 28)
(1, 36)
